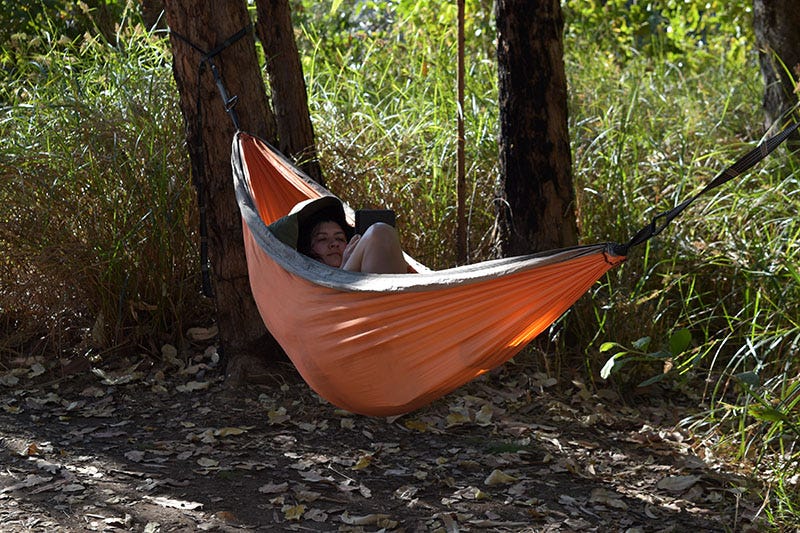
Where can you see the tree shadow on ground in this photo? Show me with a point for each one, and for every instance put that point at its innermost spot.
(505, 453)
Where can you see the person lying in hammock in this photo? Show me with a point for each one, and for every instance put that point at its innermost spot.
(322, 232)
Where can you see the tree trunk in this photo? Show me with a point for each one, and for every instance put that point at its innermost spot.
(207, 24)
(289, 95)
(538, 211)
(777, 29)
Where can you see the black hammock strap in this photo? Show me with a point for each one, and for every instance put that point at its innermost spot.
(229, 103)
(207, 59)
(741, 165)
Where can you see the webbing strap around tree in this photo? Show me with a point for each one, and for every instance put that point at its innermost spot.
(741, 165)
(229, 103)
(206, 59)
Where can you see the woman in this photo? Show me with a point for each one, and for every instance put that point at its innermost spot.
(324, 234)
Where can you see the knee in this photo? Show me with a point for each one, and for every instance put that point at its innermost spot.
(381, 252)
(381, 232)
(382, 238)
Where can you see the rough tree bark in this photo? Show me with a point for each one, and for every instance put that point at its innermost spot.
(207, 24)
(777, 29)
(537, 207)
(289, 95)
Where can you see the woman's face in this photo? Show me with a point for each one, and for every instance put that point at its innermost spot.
(328, 242)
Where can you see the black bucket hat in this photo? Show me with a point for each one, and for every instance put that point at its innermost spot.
(295, 228)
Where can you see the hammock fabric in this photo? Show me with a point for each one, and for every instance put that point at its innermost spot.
(386, 344)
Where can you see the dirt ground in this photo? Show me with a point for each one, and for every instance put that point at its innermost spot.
(174, 449)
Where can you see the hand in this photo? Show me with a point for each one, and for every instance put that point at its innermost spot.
(348, 250)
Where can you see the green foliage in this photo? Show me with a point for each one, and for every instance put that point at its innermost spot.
(651, 124)
(768, 432)
(671, 30)
(60, 17)
(679, 341)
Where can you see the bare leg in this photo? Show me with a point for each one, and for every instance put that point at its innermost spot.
(377, 251)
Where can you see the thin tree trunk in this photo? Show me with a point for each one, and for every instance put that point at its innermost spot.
(461, 163)
(537, 207)
(777, 29)
(209, 132)
(289, 95)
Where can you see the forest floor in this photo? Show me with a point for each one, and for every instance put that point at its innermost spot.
(175, 449)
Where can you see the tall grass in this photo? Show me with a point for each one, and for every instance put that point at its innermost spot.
(384, 112)
(650, 132)
(96, 228)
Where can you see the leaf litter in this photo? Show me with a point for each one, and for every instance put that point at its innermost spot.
(131, 449)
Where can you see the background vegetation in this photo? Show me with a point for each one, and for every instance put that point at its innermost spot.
(98, 244)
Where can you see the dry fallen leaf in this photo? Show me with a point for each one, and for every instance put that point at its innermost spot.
(277, 416)
(193, 386)
(406, 492)
(33, 449)
(93, 392)
(363, 462)
(73, 487)
(225, 432)
(36, 370)
(497, 524)
(677, 483)
(119, 522)
(457, 419)
(134, 455)
(273, 488)
(202, 334)
(608, 498)
(293, 512)
(498, 477)
(9, 380)
(174, 504)
(226, 516)
(484, 416)
(317, 515)
(366, 520)
(471, 493)
(207, 462)
(313, 476)
(416, 425)
(307, 496)
(170, 354)
(30, 481)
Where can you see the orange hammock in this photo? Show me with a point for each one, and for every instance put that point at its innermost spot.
(386, 344)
